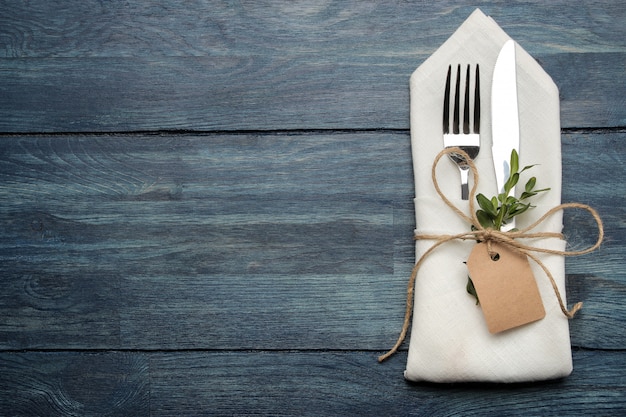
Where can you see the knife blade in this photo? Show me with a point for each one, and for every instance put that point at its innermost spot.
(504, 116)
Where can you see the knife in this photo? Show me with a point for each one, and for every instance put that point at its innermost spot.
(504, 117)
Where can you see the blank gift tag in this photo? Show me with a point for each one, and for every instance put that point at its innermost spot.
(506, 287)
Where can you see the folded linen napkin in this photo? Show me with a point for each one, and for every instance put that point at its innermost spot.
(449, 340)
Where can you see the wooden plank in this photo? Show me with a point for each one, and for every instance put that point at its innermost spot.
(201, 93)
(89, 28)
(218, 66)
(589, 169)
(43, 305)
(313, 384)
(259, 241)
(285, 383)
(73, 384)
(279, 220)
(589, 278)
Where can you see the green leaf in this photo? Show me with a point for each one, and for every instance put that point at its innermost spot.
(485, 220)
(530, 184)
(519, 209)
(471, 289)
(514, 161)
(486, 204)
(512, 181)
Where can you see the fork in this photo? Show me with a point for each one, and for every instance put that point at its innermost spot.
(467, 141)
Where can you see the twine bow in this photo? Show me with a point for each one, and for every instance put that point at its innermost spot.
(490, 236)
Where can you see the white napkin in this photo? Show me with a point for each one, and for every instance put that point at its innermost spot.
(449, 340)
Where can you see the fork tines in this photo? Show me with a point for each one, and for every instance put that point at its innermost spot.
(468, 142)
(466, 103)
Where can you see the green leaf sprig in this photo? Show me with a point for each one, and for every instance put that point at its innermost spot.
(499, 210)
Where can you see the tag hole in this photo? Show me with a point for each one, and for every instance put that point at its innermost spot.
(495, 256)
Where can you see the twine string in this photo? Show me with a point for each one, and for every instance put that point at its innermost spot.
(488, 235)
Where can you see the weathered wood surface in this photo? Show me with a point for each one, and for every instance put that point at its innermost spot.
(246, 241)
(210, 65)
(275, 383)
(207, 206)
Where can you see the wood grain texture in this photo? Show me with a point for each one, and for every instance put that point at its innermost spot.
(92, 28)
(207, 207)
(258, 241)
(71, 384)
(285, 383)
(253, 235)
(115, 66)
(310, 384)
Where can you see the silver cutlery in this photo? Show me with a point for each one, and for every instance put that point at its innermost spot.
(504, 117)
(467, 138)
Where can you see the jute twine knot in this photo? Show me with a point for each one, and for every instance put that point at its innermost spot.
(511, 239)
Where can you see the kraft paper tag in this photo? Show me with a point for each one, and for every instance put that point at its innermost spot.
(506, 288)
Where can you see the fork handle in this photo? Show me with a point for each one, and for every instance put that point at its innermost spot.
(464, 183)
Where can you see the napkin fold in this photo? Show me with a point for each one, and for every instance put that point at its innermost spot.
(449, 339)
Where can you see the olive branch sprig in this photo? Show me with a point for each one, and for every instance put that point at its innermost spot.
(499, 210)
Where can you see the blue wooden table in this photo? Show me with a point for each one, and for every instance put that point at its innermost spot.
(207, 206)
